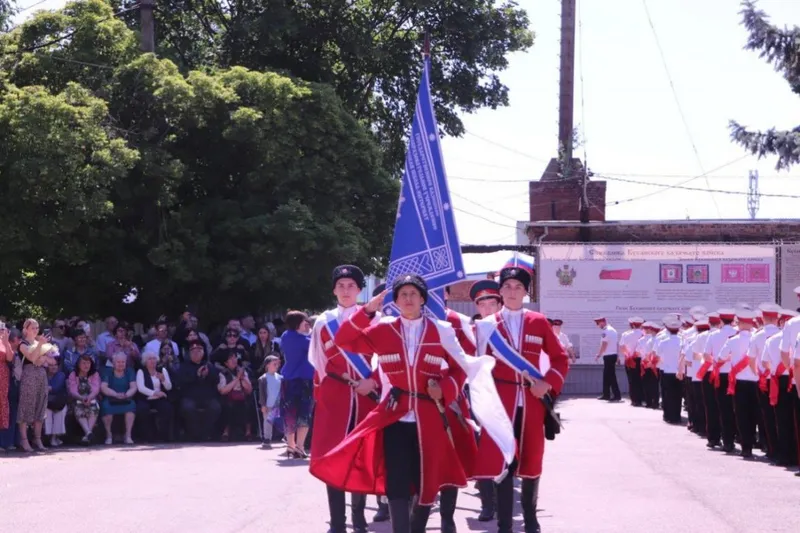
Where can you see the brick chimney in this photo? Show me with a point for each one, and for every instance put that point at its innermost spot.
(554, 197)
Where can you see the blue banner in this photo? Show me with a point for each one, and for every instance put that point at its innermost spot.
(425, 238)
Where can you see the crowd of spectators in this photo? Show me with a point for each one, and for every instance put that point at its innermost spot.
(171, 382)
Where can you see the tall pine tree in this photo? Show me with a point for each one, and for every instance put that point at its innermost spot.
(781, 47)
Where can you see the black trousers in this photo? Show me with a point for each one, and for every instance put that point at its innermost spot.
(650, 385)
(163, 417)
(699, 411)
(767, 417)
(713, 426)
(688, 397)
(784, 419)
(505, 492)
(401, 450)
(726, 416)
(672, 389)
(336, 498)
(635, 390)
(199, 424)
(610, 385)
(747, 412)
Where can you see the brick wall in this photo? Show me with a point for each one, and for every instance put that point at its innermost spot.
(675, 231)
(560, 200)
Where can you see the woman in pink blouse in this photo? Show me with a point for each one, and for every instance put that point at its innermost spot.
(83, 387)
(121, 343)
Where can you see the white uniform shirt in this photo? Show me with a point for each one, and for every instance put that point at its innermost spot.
(791, 330)
(715, 343)
(772, 353)
(564, 340)
(669, 351)
(759, 340)
(643, 346)
(686, 342)
(609, 335)
(630, 339)
(738, 347)
(696, 351)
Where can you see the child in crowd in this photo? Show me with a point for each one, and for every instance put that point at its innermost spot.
(269, 393)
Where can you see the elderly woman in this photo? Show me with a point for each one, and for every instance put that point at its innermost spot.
(153, 382)
(118, 388)
(236, 389)
(298, 382)
(84, 387)
(56, 414)
(33, 385)
(121, 343)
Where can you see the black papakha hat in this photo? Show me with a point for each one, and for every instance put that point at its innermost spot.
(516, 273)
(414, 280)
(350, 272)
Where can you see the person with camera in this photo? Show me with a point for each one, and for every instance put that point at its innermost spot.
(153, 383)
(236, 389)
(516, 337)
(35, 351)
(200, 407)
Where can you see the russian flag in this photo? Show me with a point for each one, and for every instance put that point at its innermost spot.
(519, 260)
(616, 273)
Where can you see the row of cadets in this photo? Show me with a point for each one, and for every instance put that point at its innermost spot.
(791, 360)
(631, 359)
(694, 348)
(668, 353)
(609, 343)
(516, 337)
(767, 316)
(405, 445)
(486, 296)
(719, 406)
(688, 334)
(338, 407)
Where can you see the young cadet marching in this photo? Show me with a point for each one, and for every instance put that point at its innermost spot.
(406, 445)
(633, 364)
(694, 356)
(668, 353)
(720, 368)
(742, 380)
(486, 295)
(608, 351)
(770, 315)
(563, 338)
(517, 337)
(780, 393)
(338, 407)
(685, 366)
(383, 504)
(649, 365)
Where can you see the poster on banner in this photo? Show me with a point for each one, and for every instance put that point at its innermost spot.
(790, 275)
(578, 282)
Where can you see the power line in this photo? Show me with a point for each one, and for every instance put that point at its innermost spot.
(507, 148)
(483, 207)
(698, 189)
(678, 102)
(490, 221)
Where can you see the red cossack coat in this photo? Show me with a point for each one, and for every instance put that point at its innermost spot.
(357, 464)
(334, 412)
(462, 429)
(536, 336)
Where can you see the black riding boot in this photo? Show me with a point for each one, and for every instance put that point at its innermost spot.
(486, 492)
(419, 518)
(400, 516)
(530, 495)
(383, 510)
(447, 508)
(358, 503)
(338, 509)
(505, 505)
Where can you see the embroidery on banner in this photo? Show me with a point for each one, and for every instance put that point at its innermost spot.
(533, 339)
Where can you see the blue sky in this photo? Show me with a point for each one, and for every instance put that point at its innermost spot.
(628, 115)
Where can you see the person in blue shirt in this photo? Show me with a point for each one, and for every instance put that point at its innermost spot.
(298, 382)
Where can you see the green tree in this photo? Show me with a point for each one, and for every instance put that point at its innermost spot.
(781, 47)
(369, 51)
(248, 187)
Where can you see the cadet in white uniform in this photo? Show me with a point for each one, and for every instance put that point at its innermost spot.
(695, 351)
(684, 367)
(742, 380)
(770, 314)
(668, 353)
(780, 398)
(633, 365)
(650, 365)
(608, 351)
(721, 421)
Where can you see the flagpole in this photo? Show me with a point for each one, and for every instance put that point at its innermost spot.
(426, 46)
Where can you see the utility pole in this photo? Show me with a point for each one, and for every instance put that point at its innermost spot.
(148, 26)
(753, 197)
(566, 94)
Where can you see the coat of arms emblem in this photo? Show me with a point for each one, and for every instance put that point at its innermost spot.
(565, 276)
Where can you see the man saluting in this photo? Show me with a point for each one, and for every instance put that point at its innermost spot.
(516, 337)
(338, 407)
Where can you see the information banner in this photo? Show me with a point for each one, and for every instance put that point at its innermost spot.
(579, 282)
(790, 275)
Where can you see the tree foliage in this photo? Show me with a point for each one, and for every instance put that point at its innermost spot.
(781, 47)
(227, 189)
(368, 50)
